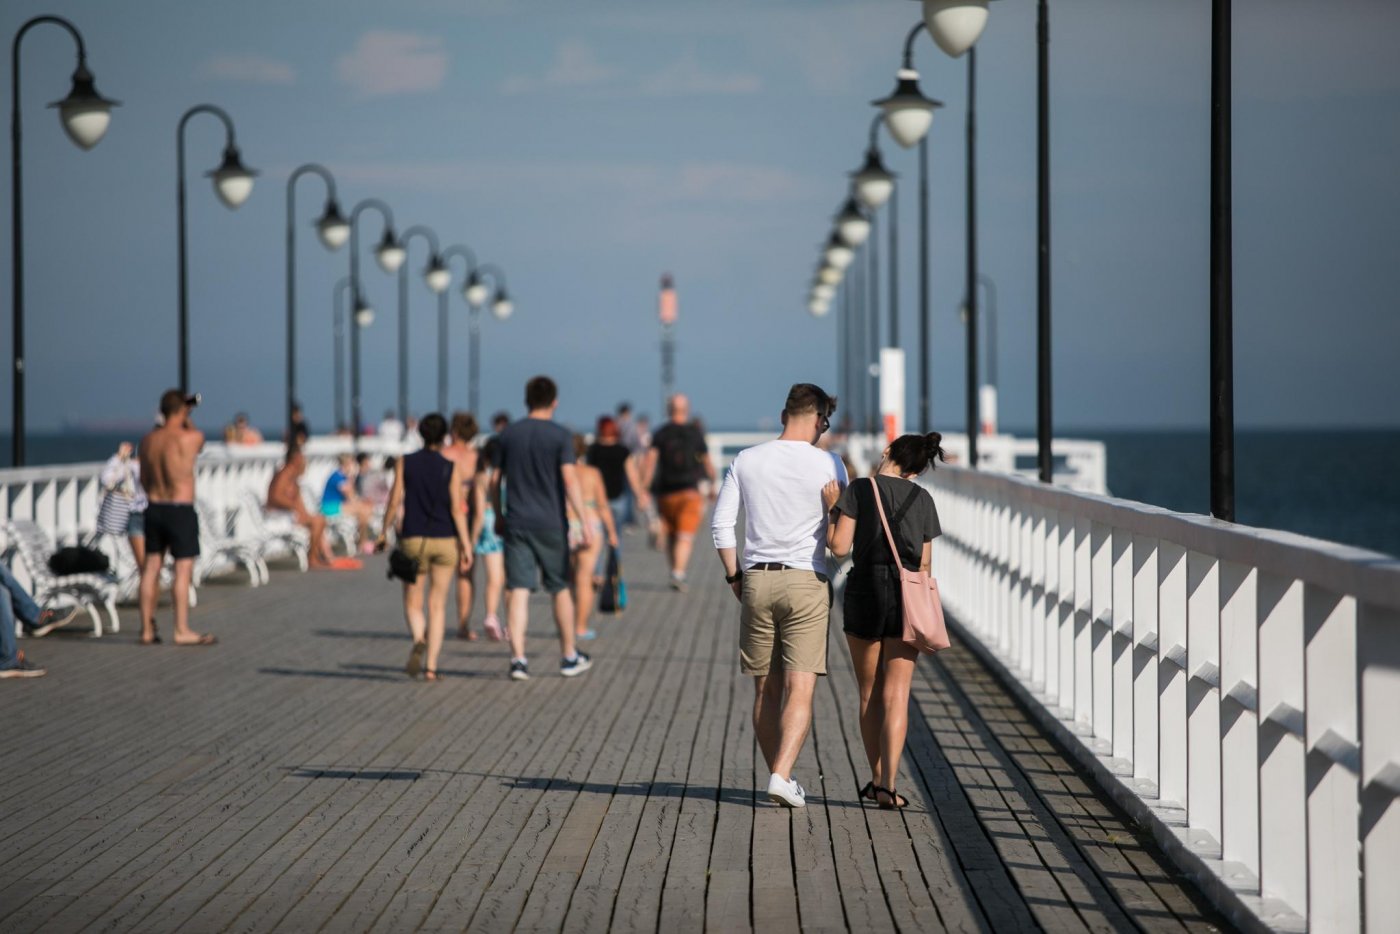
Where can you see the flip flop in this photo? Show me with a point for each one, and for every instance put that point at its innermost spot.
(347, 564)
(206, 639)
(867, 793)
(897, 801)
(492, 625)
(415, 659)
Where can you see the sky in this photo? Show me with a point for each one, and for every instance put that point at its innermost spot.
(587, 148)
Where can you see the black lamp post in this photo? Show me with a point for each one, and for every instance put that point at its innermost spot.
(908, 115)
(444, 269)
(427, 234)
(342, 293)
(502, 307)
(1222, 366)
(390, 255)
(85, 115)
(233, 183)
(333, 230)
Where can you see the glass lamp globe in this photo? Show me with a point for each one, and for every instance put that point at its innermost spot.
(818, 308)
(852, 224)
(332, 228)
(955, 25)
(476, 293)
(908, 113)
(85, 114)
(233, 181)
(364, 315)
(838, 253)
(829, 275)
(824, 291)
(503, 307)
(390, 254)
(873, 182)
(438, 276)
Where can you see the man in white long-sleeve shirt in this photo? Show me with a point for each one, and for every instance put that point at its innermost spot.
(782, 583)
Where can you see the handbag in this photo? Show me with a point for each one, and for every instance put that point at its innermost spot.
(404, 566)
(114, 512)
(78, 559)
(921, 606)
(612, 596)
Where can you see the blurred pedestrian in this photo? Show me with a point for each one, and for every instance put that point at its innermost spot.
(588, 551)
(678, 460)
(123, 509)
(463, 453)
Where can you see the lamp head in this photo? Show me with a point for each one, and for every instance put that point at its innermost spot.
(233, 181)
(390, 253)
(829, 275)
(852, 224)
(437, 275)
(332, 227)
(84, 112)
(818, 307)
(475, 292)
(838, 252)
(364, 315)
(908, 113)
(873, 182)
(955, 25)
(502, 307)
(824, 291)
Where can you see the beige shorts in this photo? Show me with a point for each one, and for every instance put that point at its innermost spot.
(431, 552)
(786, 612)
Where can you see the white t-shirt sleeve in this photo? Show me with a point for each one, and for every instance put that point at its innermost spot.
(726, 513)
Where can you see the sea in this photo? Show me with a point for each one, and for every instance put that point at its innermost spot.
(1339, 485)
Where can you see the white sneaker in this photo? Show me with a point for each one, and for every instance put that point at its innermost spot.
(787, 793)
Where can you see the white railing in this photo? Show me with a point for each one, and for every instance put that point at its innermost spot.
(64, 499)
(1232, 687)
(1079, 464)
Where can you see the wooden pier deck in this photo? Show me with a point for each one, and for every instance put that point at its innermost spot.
(293, 779)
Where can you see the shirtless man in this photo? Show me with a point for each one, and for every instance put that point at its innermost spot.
(284, 493)
(167, 472)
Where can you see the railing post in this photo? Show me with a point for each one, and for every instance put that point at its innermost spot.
(1283, 864)
(1145, 667)
(1041, 533)
(1122, 641)
(1082, 624)
(1203, 702)
(1239, 716)
(1333, 761)
(1101, 629)
(1378, 658)
(1171, 672)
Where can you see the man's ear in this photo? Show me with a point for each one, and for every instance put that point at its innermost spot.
(783, 417)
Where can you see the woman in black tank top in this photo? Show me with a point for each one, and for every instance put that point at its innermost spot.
(433, 532)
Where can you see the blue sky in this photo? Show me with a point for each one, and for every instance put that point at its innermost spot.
(588, 147)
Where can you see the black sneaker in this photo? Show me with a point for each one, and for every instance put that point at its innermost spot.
(23, 669)
(578, 666)
(519, 670)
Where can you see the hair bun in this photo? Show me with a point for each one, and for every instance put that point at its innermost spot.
(933, 446)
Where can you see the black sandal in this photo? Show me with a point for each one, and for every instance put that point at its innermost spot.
(867, 793)
(897, 801)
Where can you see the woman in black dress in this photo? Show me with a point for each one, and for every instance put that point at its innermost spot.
(874, 625)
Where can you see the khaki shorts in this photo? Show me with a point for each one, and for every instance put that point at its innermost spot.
(786, 612)
(431, 552)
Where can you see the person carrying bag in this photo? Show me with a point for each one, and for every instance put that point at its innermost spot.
(890, 608)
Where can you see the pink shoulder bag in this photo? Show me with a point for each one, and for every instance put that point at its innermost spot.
(922, 609)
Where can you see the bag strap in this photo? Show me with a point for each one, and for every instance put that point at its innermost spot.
(889, 536)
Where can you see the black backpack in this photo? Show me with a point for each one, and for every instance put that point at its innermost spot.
(78, 559)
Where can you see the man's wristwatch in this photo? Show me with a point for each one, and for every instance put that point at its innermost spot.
(735, 577)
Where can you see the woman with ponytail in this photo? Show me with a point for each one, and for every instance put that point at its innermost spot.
(874, 626)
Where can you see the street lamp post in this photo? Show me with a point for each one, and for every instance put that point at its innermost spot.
(445, 258)
(333, 230)
(342, 293)
(908, 115)
(390, 254)
(427, 234)
(970, 285)
(502, 307)
(233, 183)
(85, 115)
(1222, 367)
(1044, 411)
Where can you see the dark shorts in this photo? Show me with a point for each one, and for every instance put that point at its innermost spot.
(172, 527)
(532, 554)
(872, 608)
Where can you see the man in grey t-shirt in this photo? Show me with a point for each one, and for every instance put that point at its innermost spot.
(536, 464)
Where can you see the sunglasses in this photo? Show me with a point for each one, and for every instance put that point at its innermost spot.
(824, 425)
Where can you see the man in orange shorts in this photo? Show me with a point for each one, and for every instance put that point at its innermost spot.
(677, 461)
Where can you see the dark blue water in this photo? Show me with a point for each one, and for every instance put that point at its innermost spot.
(1343, 486)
